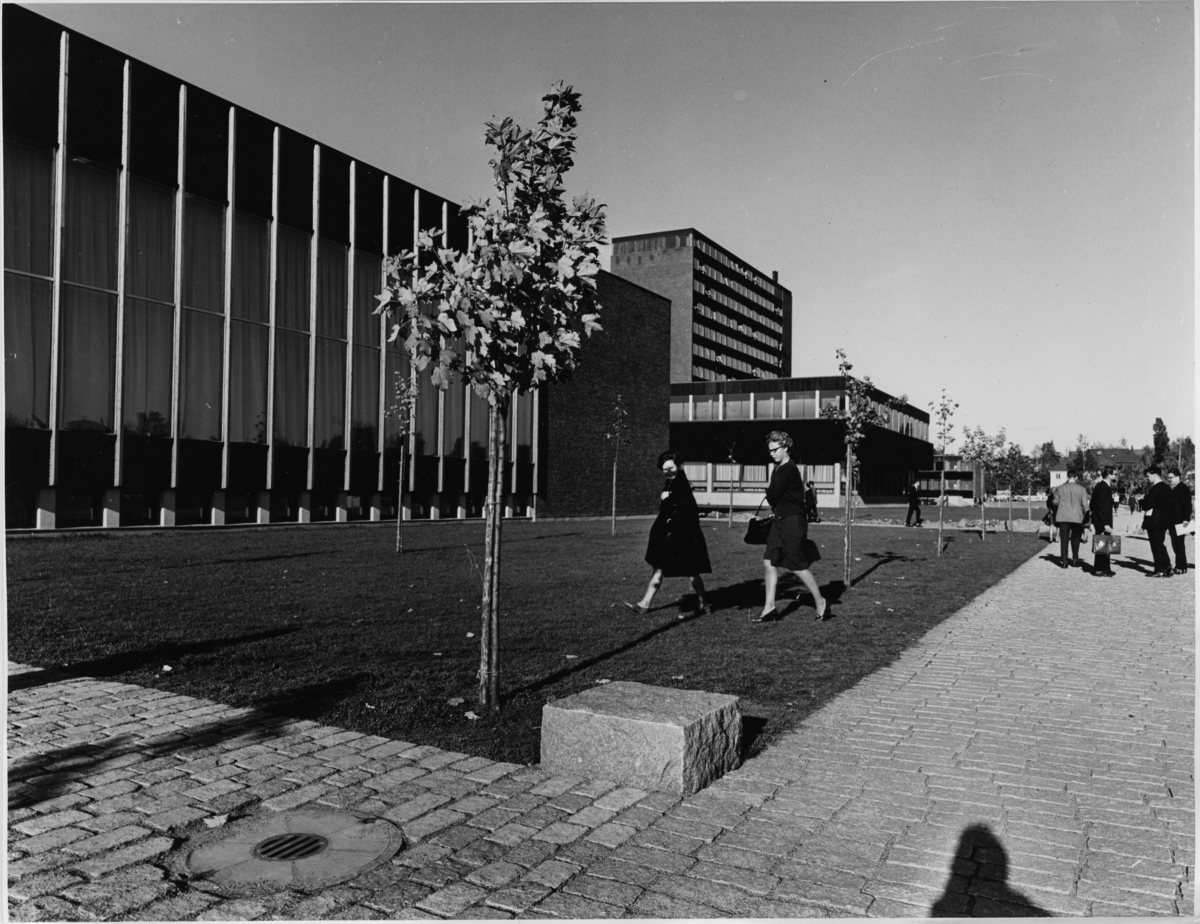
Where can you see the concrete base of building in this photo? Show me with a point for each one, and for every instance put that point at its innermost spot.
(166, 509)
(219, 501)
(45, 508)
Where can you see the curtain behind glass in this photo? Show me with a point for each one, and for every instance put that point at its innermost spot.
(292, 279)
(524, 404)
(367, 284)
(200, 348)
(150, 248)
(149, 332)
(364, 399)
(331, 289)
(455, 401)
(291, 388)
(89, 341)
(26, 351)
(251, 273)
(479, 425)
(204, 255)
(90, 225)
(248, 345)
(29, 208)
(426, 437)
(329, 412)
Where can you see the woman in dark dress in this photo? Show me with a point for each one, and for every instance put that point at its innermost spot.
(789, 529)
(677, 547)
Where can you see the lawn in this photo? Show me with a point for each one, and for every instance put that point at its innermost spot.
(328, 623)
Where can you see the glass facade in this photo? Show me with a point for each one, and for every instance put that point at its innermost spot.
(239, 342)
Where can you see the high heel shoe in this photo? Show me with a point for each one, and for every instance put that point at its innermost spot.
(823, 611)
(637, 608)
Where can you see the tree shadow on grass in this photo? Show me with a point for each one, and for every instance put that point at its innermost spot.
(977, 886)
(882, 558)
(118, 663)
(314, 698)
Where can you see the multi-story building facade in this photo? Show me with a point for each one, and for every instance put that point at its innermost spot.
(720, 430)
(728, 319)
(190, 337)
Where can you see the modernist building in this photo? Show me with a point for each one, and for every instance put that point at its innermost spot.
(720, 430)
(728, 319)
(189, 329)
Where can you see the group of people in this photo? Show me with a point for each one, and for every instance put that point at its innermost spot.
(677, 548)
(1165, 508)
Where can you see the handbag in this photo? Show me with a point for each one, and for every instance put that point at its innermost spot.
(758, 528)
(1106, 544)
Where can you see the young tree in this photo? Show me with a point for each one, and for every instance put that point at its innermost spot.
(941, 414)
(403, 408)
(860, 413)
(1183, 454)
(987, 452)
(618, 434)
(1013, 469)
(1162, 442)
(507, 313)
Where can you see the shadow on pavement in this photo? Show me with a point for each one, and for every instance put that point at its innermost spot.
(121, 661)
(979, 874)
(61, 771)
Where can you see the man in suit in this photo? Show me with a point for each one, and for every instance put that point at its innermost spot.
(1071, 500)
(810, 503)
(914, 504)
(1183, 513)
(1158, 507)
(1102, 519)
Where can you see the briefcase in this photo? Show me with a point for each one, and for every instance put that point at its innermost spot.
(1106, 544)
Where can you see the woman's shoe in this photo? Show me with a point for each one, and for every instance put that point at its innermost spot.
(638, 608)
(823, 611)
(766, 616)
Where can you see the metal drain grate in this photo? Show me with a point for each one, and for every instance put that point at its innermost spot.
(290, 847)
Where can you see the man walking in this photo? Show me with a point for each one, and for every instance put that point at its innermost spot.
(1158, 507)
(810, 503)
(1102, 520)
(914, 504)
(1071, 501)
(1183, 513)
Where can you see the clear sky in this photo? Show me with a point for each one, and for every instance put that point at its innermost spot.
(996, 199)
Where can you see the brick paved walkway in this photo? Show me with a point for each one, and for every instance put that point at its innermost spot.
(1034, 749)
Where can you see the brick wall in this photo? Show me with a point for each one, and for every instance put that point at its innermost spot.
(668, 273)
(630, 357)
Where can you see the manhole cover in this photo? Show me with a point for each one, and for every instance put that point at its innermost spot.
(306, 849)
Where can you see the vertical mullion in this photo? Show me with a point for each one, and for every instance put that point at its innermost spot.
(122, 245)
(382, 410)
(533, 449)
(441, 435)
(60, 169)
(412, 367)
(272, 283)
(350, 266)
(313, 259)
(180, 176)
(230, 207)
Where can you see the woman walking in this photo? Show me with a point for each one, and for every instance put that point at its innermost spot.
(789, 529)
(676, 547)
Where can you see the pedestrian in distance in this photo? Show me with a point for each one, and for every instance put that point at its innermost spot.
(1070, 503)
(810, 503)
(676, 547)
(1183, 514)
(1102, 520)
(912, 494)
(1051, 515)
(1158, 515)
(789, 529)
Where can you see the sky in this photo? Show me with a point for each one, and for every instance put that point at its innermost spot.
(991, 199)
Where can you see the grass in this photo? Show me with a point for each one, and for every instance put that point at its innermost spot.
(995, 512)
(328, 623)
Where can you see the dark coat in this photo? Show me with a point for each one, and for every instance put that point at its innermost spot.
(677, 543)
(1183, 502)
(1159, 505)
(785, 493)
(1101, 506)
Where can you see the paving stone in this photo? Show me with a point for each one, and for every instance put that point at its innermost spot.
(136, 853)
(184, 907)
(45, 884)
(453, 899)
(108, 840)
(729, 899)
(565, 905)
(398, 897)
(659, 905)
(496, 874)
(518, 897)
(40, 824)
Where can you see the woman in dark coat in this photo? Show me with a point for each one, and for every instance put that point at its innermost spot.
(677, 547)
(789, 529)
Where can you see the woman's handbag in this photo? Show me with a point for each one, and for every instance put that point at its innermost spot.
(1106, 544)
(758, 528)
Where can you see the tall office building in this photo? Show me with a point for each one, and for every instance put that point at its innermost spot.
(728, 319)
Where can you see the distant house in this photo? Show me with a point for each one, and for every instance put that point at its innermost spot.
(1117, 456)
(1058, 474)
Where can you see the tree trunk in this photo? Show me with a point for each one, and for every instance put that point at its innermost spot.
(983, 516)
(616, 452)
(1010, 493)
(489, 676)
(941, 506)
(730, 526)
(849, 514)
(400, 505)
